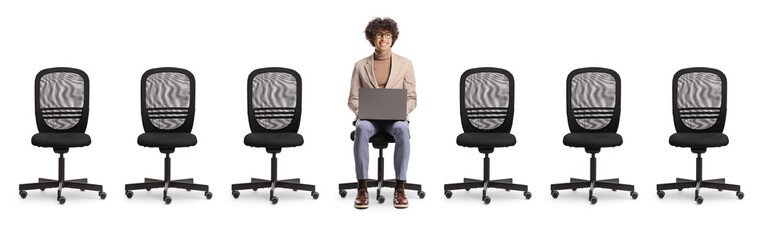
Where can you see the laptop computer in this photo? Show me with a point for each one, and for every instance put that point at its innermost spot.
(382, 104)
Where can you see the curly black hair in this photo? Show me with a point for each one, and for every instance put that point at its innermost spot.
(378, 24)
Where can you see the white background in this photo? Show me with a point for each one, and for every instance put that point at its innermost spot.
(540, 42)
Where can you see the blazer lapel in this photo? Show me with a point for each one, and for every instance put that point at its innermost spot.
(370, 72)
(395, 78)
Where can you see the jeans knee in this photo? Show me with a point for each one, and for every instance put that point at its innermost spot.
(401, 129)
(363, 128)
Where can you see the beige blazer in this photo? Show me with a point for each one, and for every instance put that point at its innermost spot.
(401, 76)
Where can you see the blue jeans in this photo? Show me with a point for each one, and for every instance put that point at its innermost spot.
(364, 129)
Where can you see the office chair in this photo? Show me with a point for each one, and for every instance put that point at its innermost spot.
(274, 107)
(380, 141)
(62, 100)
(486, 109)
(167, 110)
(594, 110)
(700, 109)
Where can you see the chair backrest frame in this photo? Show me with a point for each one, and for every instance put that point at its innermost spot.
(289, 115)
(608, 116)
(695, 113)
(186, 113)
(56, 111)
(470, 115)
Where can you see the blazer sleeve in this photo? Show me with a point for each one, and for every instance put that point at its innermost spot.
(409, 83)
(355, 83)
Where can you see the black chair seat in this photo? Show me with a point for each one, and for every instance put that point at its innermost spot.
(273, 140)
(698, 140)
(166, 140)
(592, 140)
(380, 137)
(486, 140)
(60, 140)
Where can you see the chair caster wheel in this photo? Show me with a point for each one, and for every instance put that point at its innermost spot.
(314, 194)
(129, 194)
(82, 190)
(527, 195)
(699, 200)
(661, 193)
(614, 189)
(343, 193)
(720, 189)
(42, 189)
(574, 189)
(381, 199)
(61, 200)
(274, 200)
(467, 189)
(208, 195)
(235, 194)
(188, 190)
(448, 193)
(593, 200)
(167, 200)
(740, 195)
(634, 195)
(555, 193)
(486, 199)
(679, 189)
(102, 195)
(420, 193)
(294, 190)
(148, 189)
(23, 194)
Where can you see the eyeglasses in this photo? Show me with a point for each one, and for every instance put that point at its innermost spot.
(386, 35)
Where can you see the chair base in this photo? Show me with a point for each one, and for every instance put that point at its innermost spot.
(470, 183)
(44, 183)
(486, 183)
(593, 183)
(575, 183)
(150, 183)
(682, 183)
(274, 183)
(256, 183)
(61, 183)
(699, 183)
(167, 183)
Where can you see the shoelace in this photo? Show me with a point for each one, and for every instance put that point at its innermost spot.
(363, 195)
(400, 192)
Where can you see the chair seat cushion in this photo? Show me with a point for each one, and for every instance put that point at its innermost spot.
(60, 140)
(698, 140)
(273, 140)
(167, 140)
(380, 137)
(486, 140)
(592, 140)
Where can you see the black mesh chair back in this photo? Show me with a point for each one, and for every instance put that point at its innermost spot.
(487, 100)
(168, 100)
(274, 100)
(62, 100)
(699, 100)
(593, 100)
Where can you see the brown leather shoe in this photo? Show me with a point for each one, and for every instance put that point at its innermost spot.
(399, 198)
(362, 199)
